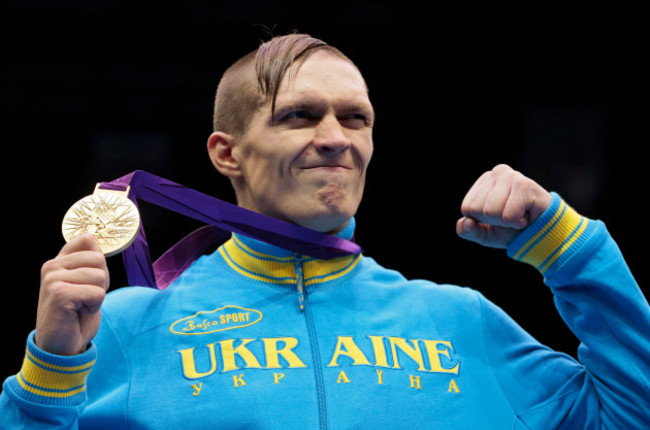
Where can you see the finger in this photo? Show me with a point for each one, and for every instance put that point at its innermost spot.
(496, 201)
(82, 267)
(82, 276)
(82, 259)
(61, 266)
(474, 200)
(488, 196)
(515, 210)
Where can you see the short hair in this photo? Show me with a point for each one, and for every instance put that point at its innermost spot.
(253, 80)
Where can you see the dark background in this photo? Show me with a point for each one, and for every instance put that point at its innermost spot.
(91, 91)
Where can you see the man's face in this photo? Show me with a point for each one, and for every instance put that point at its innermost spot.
(307, 162)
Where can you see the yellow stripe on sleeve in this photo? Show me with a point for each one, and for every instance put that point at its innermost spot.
(554, 239)
(46, 393)
(39, 377)
(566, 246)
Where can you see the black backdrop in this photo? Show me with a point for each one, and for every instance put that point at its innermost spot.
(91, 91)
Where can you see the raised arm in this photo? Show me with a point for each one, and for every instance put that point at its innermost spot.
(595, 293)
(47, 391)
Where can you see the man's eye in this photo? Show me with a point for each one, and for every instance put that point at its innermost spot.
(354, 120)
(298, 114)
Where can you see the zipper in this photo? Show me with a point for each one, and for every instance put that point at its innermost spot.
(303, 301)
(300, 281)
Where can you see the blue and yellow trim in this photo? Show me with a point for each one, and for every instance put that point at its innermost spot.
(54, 379)
(277, 266)
(552, 238)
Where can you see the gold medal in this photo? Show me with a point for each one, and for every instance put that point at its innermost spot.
(109, 215)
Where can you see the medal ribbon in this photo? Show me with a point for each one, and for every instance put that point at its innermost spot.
(222, 219)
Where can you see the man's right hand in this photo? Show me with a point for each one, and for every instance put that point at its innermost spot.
(73, 286)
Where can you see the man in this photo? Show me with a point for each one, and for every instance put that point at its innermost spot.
(256, 336)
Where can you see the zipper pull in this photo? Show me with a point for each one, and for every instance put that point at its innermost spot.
(300, 283)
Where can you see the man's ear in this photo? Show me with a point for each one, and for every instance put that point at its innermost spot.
(220, 149)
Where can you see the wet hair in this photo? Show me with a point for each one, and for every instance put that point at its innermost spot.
(253, 81)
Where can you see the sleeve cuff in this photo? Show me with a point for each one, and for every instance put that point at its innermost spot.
(53, 379)
(552, 238)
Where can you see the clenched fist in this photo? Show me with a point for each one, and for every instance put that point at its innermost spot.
(500, 204)
(73, 286)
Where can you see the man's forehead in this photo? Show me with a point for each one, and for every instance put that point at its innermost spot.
(324, 65)
(310, 97)
(320, 76)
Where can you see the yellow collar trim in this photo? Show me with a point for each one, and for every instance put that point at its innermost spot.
(282, 269)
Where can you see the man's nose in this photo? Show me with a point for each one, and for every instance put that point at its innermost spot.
(330, 136)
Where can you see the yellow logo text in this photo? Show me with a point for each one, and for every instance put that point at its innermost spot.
(220, 319)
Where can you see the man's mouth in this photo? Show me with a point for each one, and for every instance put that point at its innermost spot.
(328, 168)
(331, 165)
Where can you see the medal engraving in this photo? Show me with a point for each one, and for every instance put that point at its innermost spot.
(110, 216)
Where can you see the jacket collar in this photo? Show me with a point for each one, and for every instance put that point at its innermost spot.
(268, 263)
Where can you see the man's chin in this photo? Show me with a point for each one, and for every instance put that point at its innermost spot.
(330, 223)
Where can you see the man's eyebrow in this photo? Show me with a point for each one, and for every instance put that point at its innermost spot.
(303, 102)
(282, 107)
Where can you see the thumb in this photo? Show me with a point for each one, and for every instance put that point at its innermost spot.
(83, 242)
(484, 234)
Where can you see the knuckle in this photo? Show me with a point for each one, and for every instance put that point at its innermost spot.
(491, 212)
(48, 267)
(50, 277)
(501, 168)
(92, 259)
(103, 278)
(57, 290)
(519, 179)
(465, 207)
(511, 218)
(99, 259)
(93, 276)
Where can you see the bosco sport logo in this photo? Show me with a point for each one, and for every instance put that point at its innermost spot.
(224, 318)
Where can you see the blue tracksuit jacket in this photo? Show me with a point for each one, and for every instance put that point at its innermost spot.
(255, 337)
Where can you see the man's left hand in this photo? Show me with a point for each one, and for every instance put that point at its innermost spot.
(500, 204)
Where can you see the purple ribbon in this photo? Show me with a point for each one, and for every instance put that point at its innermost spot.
(221, 218)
